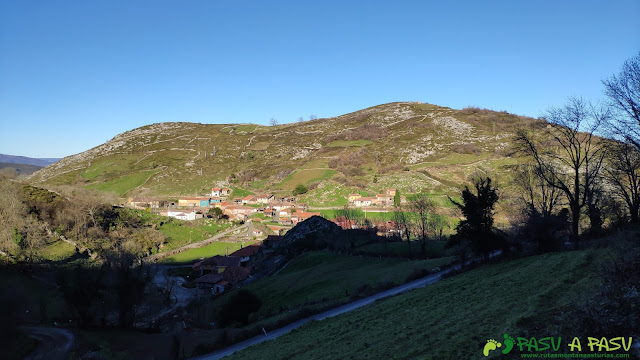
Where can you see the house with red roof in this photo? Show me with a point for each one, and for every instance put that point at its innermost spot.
(250, 199)
(300, 216)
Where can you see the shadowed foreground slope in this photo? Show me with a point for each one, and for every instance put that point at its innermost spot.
(451, 319)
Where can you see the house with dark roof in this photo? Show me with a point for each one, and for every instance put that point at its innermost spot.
(236, 274)
(215, 265)
(246, 253)
(216, 283)
(272, 240)
(219, 283)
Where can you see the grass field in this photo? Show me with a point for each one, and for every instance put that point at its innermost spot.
(104, 167)
(305, 177)
(348, 143)
(180, 234)
(123, 184)
(327, 278)
(328, 193)
(215, 248)
(451, 319)
(240, 193)
(58, 250)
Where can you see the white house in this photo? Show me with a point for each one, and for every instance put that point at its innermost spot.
(364, 201)
(182, 214)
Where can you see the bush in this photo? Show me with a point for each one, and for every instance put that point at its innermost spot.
(615, 309)
(238, 307)
(300, 189)
(548, 233)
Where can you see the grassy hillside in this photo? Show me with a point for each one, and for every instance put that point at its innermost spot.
(410, 146)
(451, 319)
(319, 279)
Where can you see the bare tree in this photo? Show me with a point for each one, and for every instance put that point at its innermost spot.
(312, 117)
(623, 173)
(623, 91)
(571, 159)
(273, 122)
(300, 119)
(404, 223)
(439, 223)
(33, 237)
(422, 206)
(538, 196)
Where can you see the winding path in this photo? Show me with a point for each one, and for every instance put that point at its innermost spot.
(53, 343)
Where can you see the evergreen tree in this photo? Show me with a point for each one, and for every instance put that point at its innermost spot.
(478, 210)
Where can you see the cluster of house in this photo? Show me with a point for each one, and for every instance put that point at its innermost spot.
(217, 274)
(380, 200)
(283, 210)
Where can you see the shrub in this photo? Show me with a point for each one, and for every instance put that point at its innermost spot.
(238, 307)
(300, 189)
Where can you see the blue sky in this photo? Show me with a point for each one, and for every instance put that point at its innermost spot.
(73, 74)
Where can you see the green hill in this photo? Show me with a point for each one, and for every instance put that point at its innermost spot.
(406, 145)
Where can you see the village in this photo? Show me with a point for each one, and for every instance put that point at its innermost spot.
(284, 210)
(219, 273)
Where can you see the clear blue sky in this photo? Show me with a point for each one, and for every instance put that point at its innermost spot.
(73, 74)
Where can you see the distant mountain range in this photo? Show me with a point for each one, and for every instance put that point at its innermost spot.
(12, 159)
(21, 169)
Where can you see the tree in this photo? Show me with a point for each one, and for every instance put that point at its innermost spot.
(83, 289)
(538, 197)
(215, 212)
(33, 236)
(239, 306)
(128, 281)
(312, 117)
(396, 198)
(299, 190)
(12, 211)
(571, 158)
(478, 211)
(300, 119)
(439, 223)
(350, 217)
(404, 223)
(422, 206)
(273, 122)
(623, 91)
(623, 173)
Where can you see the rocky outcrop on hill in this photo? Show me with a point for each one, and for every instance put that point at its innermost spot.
(313, 233)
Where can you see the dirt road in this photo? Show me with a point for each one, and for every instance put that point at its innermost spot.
(53, 343)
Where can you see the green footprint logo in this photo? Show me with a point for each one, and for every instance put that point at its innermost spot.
(491, 345)
(508, 344)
